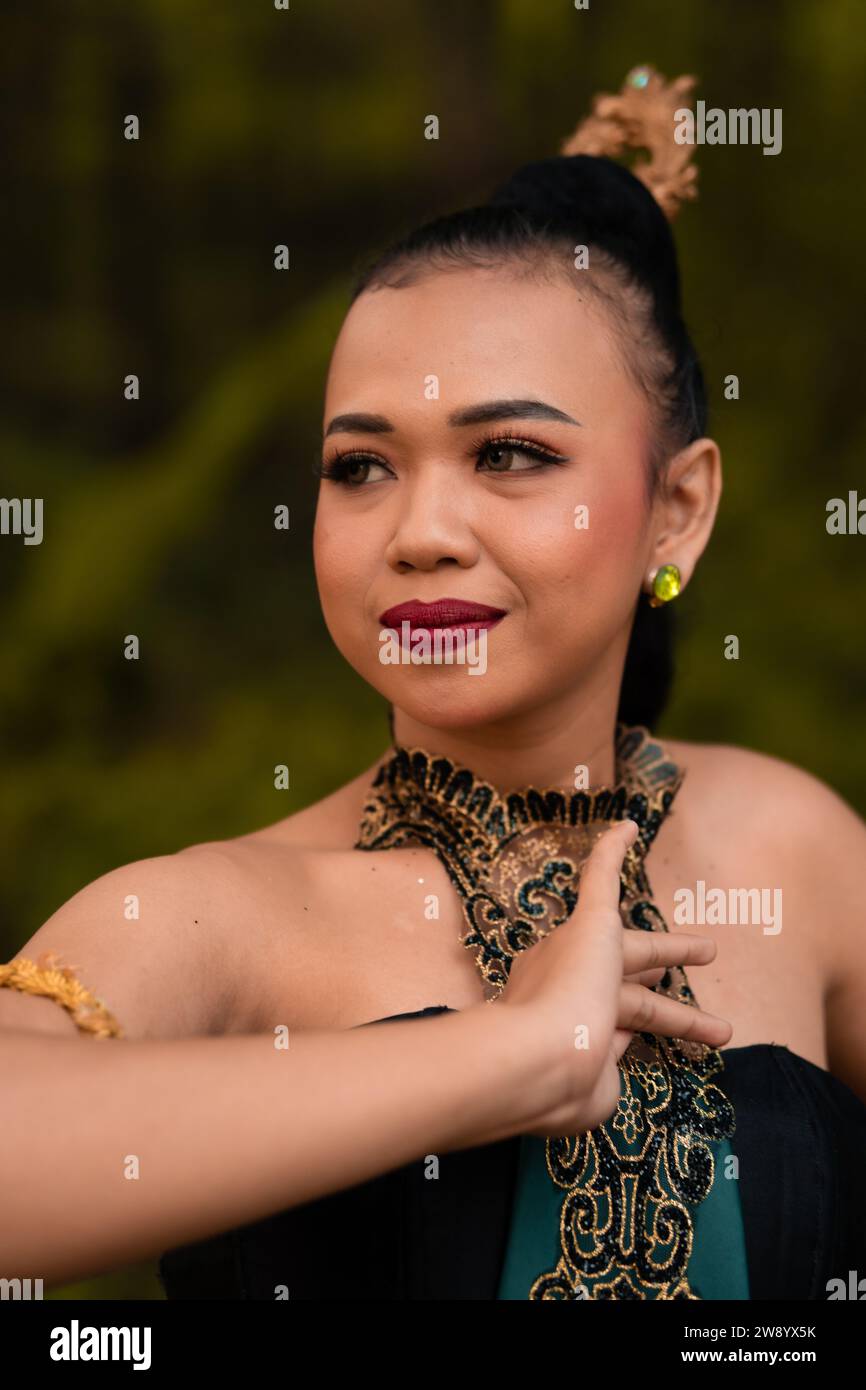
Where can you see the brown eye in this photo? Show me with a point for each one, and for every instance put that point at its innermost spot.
(514, 456)
(353, 470)
(499, 457)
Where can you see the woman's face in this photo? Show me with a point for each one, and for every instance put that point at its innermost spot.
(455, 386)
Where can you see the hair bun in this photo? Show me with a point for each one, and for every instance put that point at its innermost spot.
(595, 200)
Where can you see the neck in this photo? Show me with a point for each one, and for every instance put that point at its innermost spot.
(542, 748)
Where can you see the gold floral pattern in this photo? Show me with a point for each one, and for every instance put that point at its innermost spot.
(515, 859)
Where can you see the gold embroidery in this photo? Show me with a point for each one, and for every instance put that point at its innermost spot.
(625, 1224)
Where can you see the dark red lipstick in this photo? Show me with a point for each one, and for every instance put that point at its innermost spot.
(443, 613)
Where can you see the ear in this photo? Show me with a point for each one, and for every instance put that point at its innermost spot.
(685, 507)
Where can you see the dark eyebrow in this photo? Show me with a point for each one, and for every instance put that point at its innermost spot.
(360, 423)
(508, 410)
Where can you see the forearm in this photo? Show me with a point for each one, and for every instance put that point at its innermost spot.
(228, 1130)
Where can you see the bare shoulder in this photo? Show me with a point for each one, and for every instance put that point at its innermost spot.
(763, 809)
(150, 938)
(743, 818)
(786, 799)
(173, 944)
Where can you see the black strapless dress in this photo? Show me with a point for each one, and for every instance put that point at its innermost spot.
(800, 1142)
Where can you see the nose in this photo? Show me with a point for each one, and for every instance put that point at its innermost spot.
(433, 527)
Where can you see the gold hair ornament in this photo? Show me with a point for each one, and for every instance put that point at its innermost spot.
(642, 116)
(58, 982)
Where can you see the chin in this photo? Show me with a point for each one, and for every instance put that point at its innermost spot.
(454, 702)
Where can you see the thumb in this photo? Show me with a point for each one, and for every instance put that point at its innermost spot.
(599, 877)
(593, 947)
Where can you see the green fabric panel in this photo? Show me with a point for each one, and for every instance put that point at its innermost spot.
(716, 1270)
(533, 1240)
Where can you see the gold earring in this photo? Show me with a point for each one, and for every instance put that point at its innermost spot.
(666, 584)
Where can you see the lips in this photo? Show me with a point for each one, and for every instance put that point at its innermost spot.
(443, 613)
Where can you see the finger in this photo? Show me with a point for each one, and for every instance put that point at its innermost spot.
(647, 950)
(646, 977)
(600, 876)
(621, 1039)
(643, 1011)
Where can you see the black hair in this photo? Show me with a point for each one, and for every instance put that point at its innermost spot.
(538, 219)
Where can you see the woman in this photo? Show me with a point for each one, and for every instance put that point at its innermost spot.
(516, 482)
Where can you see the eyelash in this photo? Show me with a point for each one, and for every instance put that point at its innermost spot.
(336, 469)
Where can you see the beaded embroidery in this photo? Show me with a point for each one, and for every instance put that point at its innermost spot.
(626, 1227)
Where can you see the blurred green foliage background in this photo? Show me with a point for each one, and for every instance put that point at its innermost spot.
(305, 126)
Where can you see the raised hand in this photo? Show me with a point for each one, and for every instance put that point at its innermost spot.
(582, 992)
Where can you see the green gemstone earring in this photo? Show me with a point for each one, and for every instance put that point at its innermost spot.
(666, 584)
